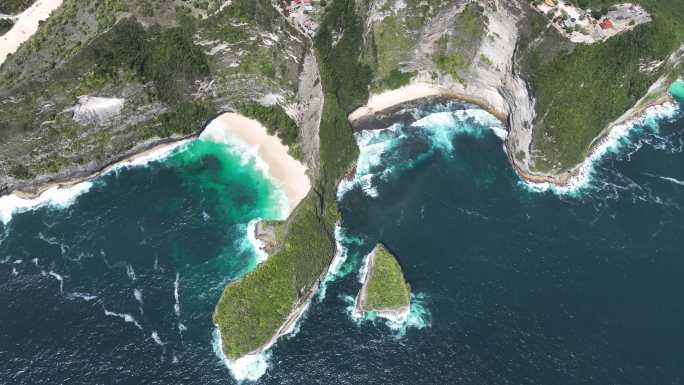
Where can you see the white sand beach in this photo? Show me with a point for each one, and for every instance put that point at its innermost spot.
(289, 173)
(25, 25)
(385, 100)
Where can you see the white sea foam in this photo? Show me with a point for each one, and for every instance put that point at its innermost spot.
(126, 317)
(14, 271)
(341, 254)
(249, 155)
(60, 279)
(54, 242)
(363, 271)
(667, 179)
(54, 197)
(614, 142)
(60, 198)
(257, 245)
(418, 316)
(379, 147)
(130, 272)
(156, 339)
(176, 295)
(137, 293)
(156, 154)
(83, 296)
(250, 367)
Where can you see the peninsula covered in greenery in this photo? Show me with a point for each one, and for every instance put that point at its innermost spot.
(102, 80)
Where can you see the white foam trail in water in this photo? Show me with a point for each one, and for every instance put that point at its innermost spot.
(258, 245)
(612, 143)
(130, 272)
(54, 197)
(83, 296)
(176, 295)
(156, 339)
(137, 293)
(60, 279)
(250, 367)
(666, 178)
(126, 317)
(341, 253)
(54, 242)
(35, 262)
(14, 271)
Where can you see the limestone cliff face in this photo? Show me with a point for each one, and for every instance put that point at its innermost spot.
(466, 48)
(503, 56)
(77, 96)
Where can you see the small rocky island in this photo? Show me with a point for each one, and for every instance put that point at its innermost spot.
(384, 291)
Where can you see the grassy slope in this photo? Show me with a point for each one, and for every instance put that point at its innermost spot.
(5, 26)
(387, 288)
(11, 7)
(581, 89)
(80, 51)
(457, 52)
(251, 310)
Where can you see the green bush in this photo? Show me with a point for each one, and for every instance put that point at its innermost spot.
(275, 119)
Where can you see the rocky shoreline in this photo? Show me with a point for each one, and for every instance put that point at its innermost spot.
(399, 314)
(35, 187)
(393, 114)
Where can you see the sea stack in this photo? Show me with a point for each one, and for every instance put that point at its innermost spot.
(385, 292)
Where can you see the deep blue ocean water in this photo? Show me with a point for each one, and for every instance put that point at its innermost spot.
(513, 284)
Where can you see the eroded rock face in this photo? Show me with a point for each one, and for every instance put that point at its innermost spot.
(385, 290)
(64, 113)
(96, 110)
(466, 49)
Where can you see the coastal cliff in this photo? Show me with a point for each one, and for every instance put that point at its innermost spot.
(558, 98)
(384, 290)
(104, 80)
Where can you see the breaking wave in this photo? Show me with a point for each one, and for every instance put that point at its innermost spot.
(383, 153)
(62, 197)
(418, 317)
(622, 140)
(250, 367)
(54, 197)
(338, 267)
(249, 155)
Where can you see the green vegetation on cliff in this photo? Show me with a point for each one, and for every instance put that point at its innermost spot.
(251, 310)
(386, 287)
(10, 7)
(580, 89)
(275, 119)
(5, 25)
(456, 53)
(173, 64)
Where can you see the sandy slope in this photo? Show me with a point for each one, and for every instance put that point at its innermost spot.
(26, 25)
